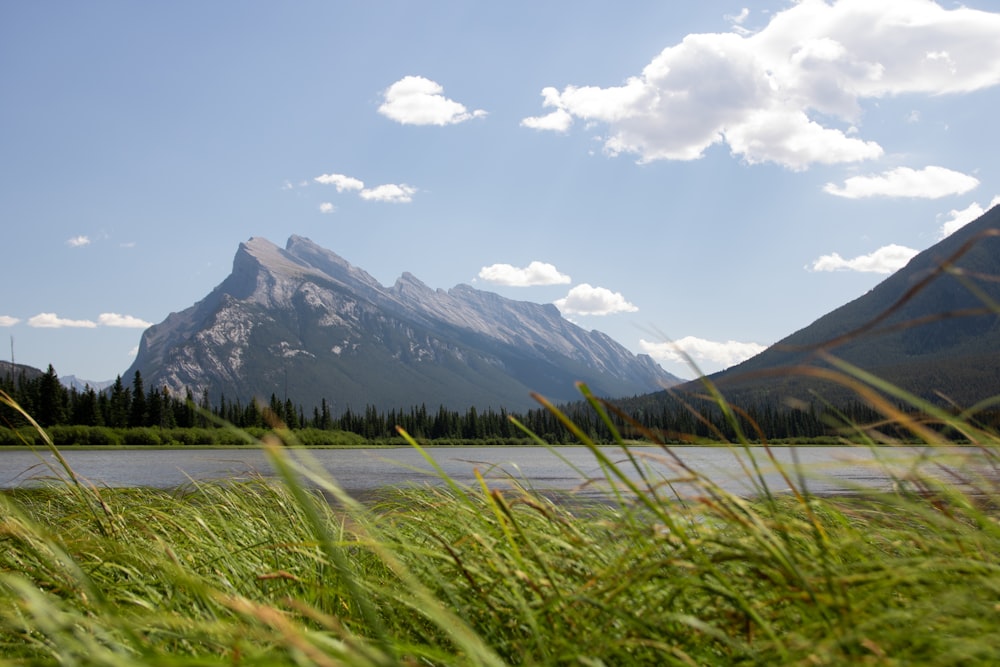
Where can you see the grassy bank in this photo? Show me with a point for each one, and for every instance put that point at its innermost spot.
(297, 573)
(96, 437)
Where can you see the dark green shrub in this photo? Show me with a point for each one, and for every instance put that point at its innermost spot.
(98, 436)
(314, 437)
(189, 436)
(228, 438)
(141, 437)
(84, 436)
(12, 437)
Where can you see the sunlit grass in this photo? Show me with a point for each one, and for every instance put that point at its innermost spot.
(293, 571)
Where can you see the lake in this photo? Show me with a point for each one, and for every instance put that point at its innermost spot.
(360, 471)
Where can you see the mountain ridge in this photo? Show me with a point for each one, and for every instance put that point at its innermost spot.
(302, 321)
(930, 330)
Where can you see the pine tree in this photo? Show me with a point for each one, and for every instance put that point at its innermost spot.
(325, 420)
(86, 408)
(154, 408)
(184, 411)
(206, 408)
(137, 413)
(167, 419)
(290, 416)
(51, 399)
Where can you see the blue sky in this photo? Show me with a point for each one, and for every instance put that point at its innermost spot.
(714, 174)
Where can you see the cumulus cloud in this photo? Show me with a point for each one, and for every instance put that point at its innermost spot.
(784, 93)
(723, 354)
(415, 100)
(122, 321)
(536, 273)
(927, 183)
(53, 321)
(341, 181)
(559, 120)
(78, 241)
(390, 192)
(8, 321)
(959, 219)
(884, 260)
(587, 300)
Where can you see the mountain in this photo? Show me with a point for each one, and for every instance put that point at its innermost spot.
(933, 328)
(303, 323)
(14, 371)
(73, 382)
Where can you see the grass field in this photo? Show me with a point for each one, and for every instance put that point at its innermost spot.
(297, 573)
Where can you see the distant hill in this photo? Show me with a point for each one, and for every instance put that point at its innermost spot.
(303, 323)
(68, 381)
(933, 327)
(7, 369)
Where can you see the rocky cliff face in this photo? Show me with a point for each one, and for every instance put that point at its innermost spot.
(304, 323)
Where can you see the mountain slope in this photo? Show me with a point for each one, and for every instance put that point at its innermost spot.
(304, 323)
(931, 329)
(11, 371)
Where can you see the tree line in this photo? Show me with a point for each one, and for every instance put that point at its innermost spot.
(661, 416)
(134, 406)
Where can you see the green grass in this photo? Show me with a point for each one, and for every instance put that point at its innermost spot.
(295, 572)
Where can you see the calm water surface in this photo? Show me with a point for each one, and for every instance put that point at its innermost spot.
(822, 469)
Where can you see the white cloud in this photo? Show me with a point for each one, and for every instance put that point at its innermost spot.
(586, 300)
(8, 321)
(415, 100)
(559, 120)
(78, 241)
(781, 94)
(724, 354)
(959, 219)
(884, 260)
(536, 273)
(53, 321)
(738, 20)
(341, 181)
(122, 321)
(927, 183)
(390, 192)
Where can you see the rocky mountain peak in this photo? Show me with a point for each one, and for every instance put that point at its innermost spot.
(409, 284)
(331, 265)
(305, 319)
